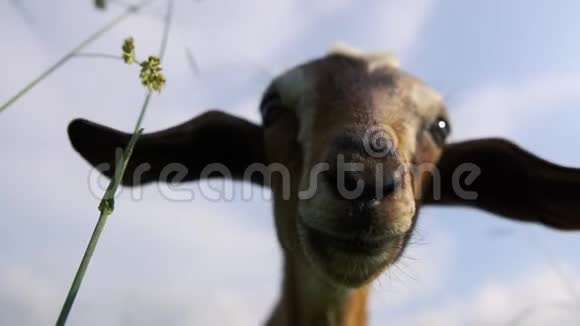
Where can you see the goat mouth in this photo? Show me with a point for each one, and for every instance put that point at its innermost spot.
(348, 261)
(350, 245)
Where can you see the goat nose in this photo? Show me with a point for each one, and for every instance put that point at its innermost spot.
(368, 189)
(356, 175)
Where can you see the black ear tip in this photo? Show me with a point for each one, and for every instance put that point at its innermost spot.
(75, 131)
(76, 127)
(83, 134)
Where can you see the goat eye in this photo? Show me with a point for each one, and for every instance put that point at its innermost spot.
(440, 129)
(271, 108)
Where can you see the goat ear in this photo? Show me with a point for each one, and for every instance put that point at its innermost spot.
(508, 181)
(213, 137)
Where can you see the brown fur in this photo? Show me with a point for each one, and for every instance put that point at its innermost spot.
(353, 101)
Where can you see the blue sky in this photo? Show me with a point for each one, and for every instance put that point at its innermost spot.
(507, 69)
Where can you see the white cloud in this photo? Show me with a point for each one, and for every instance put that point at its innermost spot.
(534, 298)
(497, 109)
(26, 297)
(29, 298)
(401, 23)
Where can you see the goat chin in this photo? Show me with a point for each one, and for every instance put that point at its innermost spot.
(349, 263)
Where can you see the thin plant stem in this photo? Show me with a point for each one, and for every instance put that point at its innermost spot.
(23, 11)
(102, 56)
(192, 62)
(121, 4)
(106, 207)
(107, 203)
(165, 37)
(74, 51)
(98, 55)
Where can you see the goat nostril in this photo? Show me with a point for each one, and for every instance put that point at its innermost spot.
(352, 181)
(367, 189)
(391, 184)
(376, 192)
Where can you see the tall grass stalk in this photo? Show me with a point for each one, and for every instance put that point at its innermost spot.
(107, 203)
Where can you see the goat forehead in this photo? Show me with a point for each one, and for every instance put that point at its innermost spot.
(355, 81)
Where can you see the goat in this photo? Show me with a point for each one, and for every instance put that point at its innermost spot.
(320, 118)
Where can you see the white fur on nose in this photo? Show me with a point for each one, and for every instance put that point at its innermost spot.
(375, 60)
